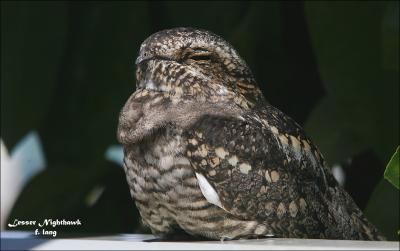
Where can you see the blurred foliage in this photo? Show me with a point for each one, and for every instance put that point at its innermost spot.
(392, 171)
(383, 209)
(68, 68)
(361, 107)
(96, 195)
(357, 53)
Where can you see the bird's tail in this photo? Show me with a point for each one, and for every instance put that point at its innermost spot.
(352, 220)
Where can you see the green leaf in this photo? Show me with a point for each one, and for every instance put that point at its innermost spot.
(392, 169)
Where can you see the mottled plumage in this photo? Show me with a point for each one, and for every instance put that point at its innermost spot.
(205, 153)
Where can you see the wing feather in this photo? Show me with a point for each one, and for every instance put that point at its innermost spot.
(264, 167)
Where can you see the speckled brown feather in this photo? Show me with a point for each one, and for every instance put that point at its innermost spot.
(198, 112)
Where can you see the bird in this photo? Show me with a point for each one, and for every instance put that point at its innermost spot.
(206, 155)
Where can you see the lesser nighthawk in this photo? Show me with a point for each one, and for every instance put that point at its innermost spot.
(205, 153)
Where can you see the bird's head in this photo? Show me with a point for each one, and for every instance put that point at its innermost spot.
(195, 64)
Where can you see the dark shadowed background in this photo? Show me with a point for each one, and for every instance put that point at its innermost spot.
(68, 68)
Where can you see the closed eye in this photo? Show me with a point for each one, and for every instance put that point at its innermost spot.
(201, 57)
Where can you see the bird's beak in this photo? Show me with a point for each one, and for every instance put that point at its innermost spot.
(142, 59)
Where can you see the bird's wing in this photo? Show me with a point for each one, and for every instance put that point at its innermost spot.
(262, 166)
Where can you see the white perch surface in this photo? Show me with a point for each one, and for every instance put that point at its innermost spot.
(16, 240)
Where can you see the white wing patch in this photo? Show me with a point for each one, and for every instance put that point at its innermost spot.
(208, 191)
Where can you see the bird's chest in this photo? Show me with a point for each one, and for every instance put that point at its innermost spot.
(160, 177)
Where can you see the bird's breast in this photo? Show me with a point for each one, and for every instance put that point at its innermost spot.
(161, 179)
